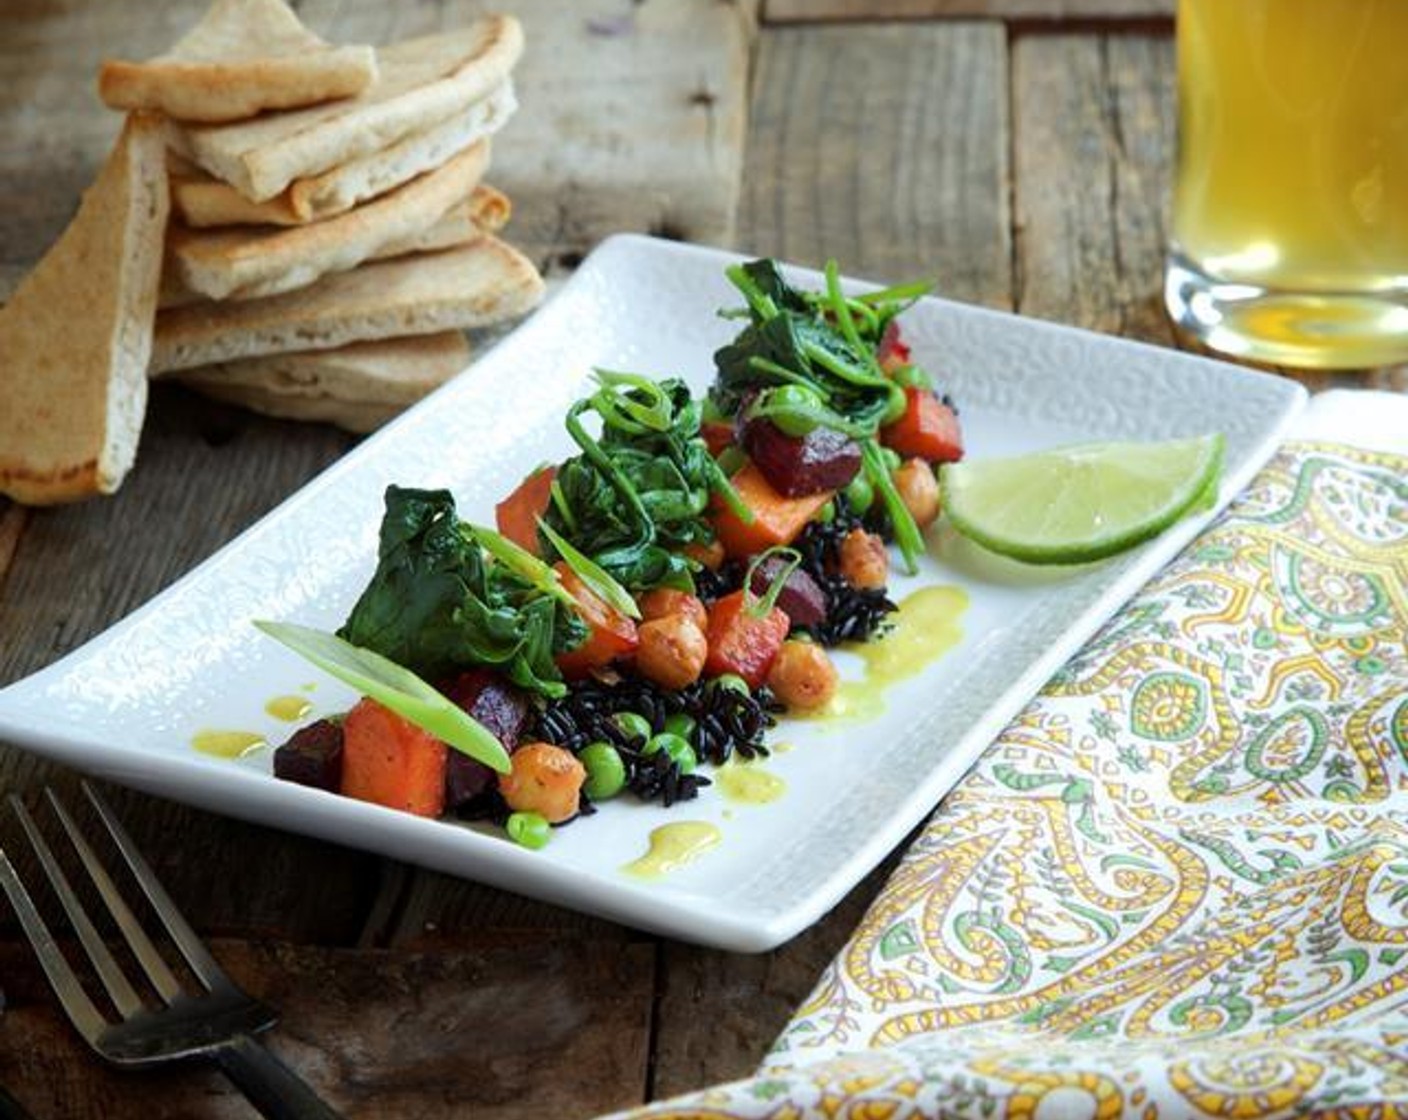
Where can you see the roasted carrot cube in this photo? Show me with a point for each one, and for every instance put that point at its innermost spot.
(390, 761)
(741, 642)
(776, 519)
(517, 515)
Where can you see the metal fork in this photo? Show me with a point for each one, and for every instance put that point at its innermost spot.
(217, 1023)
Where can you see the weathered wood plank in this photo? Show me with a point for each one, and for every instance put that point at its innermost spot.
(1052, 11)
(885, 147)
(205, 473)
(532, 1027)
(1094, 133)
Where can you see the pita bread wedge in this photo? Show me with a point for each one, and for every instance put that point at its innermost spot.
(200, 200)
(358, 387)
(75, 337)
(486, 210)
(242, 58)
(475, 285)
(249, 261)
(423, 82)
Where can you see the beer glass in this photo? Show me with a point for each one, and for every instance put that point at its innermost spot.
(1290, 221)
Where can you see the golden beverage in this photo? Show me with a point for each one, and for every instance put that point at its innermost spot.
(1290, 235)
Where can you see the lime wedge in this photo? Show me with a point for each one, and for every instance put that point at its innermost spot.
(396, 687)
(1074, 504)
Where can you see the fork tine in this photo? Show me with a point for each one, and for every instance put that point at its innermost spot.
(191, 946)
(80, 1008)
(137, 940)
(123, 996)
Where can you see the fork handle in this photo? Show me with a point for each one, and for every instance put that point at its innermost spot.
(274, 1089)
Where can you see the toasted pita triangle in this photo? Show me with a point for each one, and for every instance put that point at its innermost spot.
(423, 82)
(200, 200)
(476, 285)
(245, 56)
(357, 387)
(250, 261)
(486, 210)
(75, 337)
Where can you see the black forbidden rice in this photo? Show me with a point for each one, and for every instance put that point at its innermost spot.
(853, 614)
(726, 722)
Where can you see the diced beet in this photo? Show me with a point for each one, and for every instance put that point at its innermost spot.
(502, 709)
(312, 756)
(499, 706)
(465, 779)
(795, 466)
(801, 596)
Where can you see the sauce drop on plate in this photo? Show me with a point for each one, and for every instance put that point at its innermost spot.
(672, 846)
(927, 625)
(748, 783)
(227, 744)
(290, 709)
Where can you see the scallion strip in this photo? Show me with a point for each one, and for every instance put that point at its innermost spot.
(592, 574)
(907, 534)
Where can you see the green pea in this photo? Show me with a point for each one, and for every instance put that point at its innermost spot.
(635, 727)
(733, 683)
(859, 494)
(891, 459)
(676, 749)
(912, 377)
(827, 514)
(531, 830)
(731, 459)
(682, 724)
(606, 773)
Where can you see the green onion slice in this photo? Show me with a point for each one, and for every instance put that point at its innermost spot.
(394, 686)
(597, 578)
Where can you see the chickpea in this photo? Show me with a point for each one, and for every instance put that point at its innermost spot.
(864, 562)
(919, 490)
(711, 555)
(802, 676)
(671, 651)
(546, 780)
(664, 601)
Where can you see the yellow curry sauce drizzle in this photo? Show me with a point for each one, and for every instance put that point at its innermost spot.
(672, 846)
(227, 744)
(747, 783)
(290, 709)
(224, 743)
(927, 625)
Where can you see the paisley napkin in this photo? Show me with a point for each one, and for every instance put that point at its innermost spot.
(1177, 884)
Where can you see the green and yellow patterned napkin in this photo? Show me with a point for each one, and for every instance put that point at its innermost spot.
(1178, 883)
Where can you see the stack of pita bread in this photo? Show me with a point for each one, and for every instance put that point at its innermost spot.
(330, 237)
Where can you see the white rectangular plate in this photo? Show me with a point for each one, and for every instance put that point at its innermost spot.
(126, 705)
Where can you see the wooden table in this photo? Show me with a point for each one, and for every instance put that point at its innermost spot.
(1018, 149)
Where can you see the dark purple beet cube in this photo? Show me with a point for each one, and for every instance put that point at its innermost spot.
(801, 597)
(312, 756)
(795, 466)
(502, 709)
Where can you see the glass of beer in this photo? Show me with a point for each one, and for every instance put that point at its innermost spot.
(1290, 222)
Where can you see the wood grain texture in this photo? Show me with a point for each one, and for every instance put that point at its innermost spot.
(451, 1034)
(885, 147)
(1047, 11)
(1094, 133)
